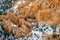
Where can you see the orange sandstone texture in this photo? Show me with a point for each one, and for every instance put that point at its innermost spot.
(14, 22)
(55, 2)
(47, 15)
(20, 23)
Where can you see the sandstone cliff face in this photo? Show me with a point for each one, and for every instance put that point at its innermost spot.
(26, 14)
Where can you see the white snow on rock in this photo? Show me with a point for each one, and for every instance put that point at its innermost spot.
(15, 8)
(40, 24)
(36, 35)
(58, 29)
(48, 30)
